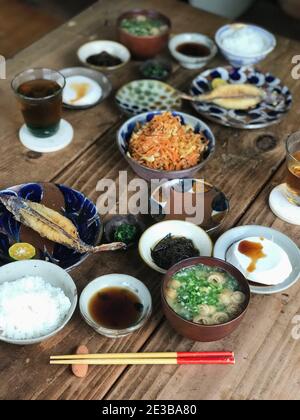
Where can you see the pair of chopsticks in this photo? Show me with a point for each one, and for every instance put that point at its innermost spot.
(171, 358)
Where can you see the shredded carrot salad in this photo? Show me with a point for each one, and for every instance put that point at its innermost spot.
(165, 144)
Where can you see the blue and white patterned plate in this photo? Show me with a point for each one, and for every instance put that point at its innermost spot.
(72, 204)
(262, 115)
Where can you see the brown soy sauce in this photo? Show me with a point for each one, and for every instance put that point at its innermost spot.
(115, 308)
(193, 49)
(252, 250)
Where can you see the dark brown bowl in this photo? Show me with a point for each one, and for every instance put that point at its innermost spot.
(197, 332)
(143, 47)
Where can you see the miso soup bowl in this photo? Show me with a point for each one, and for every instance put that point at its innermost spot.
(198, 332)
(143, 47)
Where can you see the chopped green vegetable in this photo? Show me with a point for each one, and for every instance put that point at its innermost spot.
(126, 233)
(143, 26)
(205, 295)
(155, 71)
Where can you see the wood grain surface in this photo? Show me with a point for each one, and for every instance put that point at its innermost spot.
(246, 165)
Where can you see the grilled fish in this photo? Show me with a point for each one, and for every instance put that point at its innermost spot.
(229, 96)
(51, 225)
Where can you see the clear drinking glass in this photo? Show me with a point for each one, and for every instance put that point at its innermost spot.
(293, 169)
(39, 92)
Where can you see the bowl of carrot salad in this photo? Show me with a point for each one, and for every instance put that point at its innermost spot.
(165, 145)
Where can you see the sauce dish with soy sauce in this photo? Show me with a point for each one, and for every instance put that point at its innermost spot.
(115, 305)
(192, 50)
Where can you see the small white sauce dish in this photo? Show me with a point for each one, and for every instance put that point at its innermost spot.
(99, 87)
(190, 62)
(96, 47)
(50, 273)
(119, 281)
(237, 32)
(157, 232)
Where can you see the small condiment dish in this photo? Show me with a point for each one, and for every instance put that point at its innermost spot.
(247, 59)
(178, 228)
(50, 273)
(199, 332)
(156, 69)
(96, 47)
(190, 62)
(116, 222)
(100, 78)
(232, 236)
(119, 281)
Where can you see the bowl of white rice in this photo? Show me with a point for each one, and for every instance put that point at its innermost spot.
(244, 44)
(37, 300)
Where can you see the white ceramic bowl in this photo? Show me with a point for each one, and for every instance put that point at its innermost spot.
(51, 273)
(115, 280)
(160, 230)
(238, 60)
(187, 61)
(96, 47)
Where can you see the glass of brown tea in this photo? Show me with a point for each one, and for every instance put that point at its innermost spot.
(293, 169)
(39, 92)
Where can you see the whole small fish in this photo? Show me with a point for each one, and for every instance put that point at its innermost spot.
(52, 225)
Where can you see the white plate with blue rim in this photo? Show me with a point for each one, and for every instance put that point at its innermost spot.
(263, 115)
(232, 236)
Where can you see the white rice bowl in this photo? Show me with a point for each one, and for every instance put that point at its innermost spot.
(31, 308)
(37, 299)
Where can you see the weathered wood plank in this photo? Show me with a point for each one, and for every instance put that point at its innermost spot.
(16, 32)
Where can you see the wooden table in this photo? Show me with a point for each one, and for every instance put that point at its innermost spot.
(246, 166)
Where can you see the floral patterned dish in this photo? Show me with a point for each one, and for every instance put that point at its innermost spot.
(262, 115)
(147, 95)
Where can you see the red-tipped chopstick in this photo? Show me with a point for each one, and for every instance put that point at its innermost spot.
(171, 358)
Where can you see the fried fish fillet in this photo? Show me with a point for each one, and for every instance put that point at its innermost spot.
(52, 225)
(237, 97)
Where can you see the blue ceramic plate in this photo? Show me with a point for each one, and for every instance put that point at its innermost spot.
(72, 204)
(263, 115)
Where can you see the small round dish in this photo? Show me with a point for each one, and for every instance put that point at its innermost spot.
(236, 234)
(96, 47)
(157, 232)
(198, 332)
(263, 115)
(156, 69)
(125, 132)
(96, 76)
(73, 205)
(187, 61)
(51, 273)
(211, 204)
(245, 59)
(143, 47)
(115, 222)
(147, 95)
(116, 280)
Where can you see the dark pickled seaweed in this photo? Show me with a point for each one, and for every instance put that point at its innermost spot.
(170, 250)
